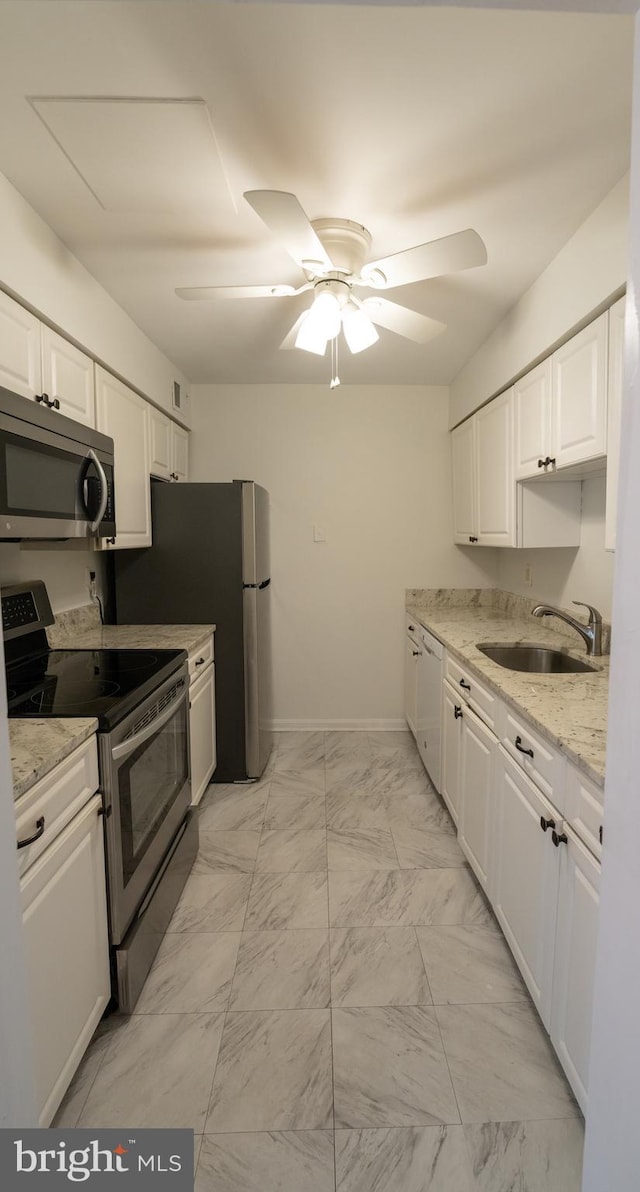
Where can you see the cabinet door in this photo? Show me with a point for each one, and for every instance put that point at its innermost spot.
(20, 362)
(179, 452)
(579, 401)
(526, 879)
(124, 415)
(451, 743)
(532, 420)
(67, 949)
(202, 732)
(67, 374)
(575, 959)
(477, 781)
(496, 493)
(159, 444)
(463, 462)
(614, 413)
(411, 651)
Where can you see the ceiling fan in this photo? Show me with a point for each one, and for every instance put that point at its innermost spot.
(332, 254)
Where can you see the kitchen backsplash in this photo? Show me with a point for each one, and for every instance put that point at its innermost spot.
(510, 603)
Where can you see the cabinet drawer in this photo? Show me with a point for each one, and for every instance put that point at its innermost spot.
(584, 808)
(56, 798)
(539, 760)
(200, 659)
(483, 702)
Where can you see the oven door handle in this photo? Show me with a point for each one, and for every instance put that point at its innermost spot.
(104, 490)
(131, 744)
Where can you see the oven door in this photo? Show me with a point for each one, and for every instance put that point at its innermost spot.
(52, 486)
(145, 770)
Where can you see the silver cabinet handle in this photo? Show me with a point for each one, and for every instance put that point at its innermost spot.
(129, 746)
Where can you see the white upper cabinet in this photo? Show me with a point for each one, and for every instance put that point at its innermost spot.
(463, 449)
(614, 411)
(483, 486)
(169, 455)
(20, 359)
(532, 420)
(179, 452)
(124, 416)
(67, 377)
(160, 444)
(495, 490)
(579, 407)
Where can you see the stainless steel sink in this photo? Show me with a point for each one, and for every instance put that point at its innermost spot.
(520, 656)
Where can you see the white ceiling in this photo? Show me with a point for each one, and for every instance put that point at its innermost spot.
(416, 122)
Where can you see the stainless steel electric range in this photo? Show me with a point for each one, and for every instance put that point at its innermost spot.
(140, 700)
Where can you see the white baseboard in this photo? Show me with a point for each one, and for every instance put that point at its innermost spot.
(344, 726)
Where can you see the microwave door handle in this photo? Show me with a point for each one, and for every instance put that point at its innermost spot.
(131, 744)
(104, 489)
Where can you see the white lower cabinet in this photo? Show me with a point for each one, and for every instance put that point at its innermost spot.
(451, 746)
(202, 722)
(527, 865)
(411, 655)
(575, 958)
(67, 951)
(478, 749)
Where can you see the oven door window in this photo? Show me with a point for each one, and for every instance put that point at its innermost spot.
(149, 781)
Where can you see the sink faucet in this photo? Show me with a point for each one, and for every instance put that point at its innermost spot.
(591, 633)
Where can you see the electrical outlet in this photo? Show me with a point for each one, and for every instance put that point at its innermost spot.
(528, 575)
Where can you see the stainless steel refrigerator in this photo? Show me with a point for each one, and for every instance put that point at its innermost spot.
(209, 564)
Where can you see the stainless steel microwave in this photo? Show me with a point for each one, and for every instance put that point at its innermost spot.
(56, 475)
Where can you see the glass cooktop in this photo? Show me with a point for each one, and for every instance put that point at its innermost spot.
(107, 684)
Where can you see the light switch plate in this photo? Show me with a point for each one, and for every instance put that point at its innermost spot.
(319, 534)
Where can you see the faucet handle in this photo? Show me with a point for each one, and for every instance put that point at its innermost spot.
(595, 617)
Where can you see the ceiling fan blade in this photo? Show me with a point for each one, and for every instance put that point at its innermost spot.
(289, 340)
(203, 293)
(400, 319)
(462, 250)
(285, 218)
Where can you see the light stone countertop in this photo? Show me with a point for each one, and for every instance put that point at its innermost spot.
(138, 637)
(37, 746)
(569, 710)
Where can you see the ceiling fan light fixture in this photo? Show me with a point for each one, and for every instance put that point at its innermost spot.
(359, 331)
(310, 337)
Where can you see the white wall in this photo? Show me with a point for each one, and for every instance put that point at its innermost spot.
(40, 271)
(560, 576)
(370, 465)
(588, 270)
(63, 571)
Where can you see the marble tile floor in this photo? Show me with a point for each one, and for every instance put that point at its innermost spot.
(333, 1008)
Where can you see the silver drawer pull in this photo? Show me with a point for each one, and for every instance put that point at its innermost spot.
(36, 835)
